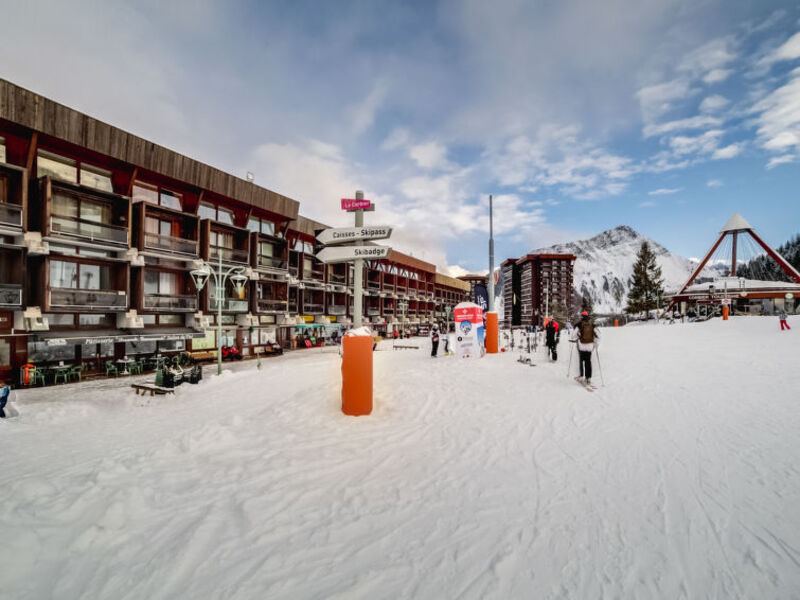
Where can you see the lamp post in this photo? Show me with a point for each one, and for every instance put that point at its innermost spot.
(202, 274)
(447, 310)
(402, 305)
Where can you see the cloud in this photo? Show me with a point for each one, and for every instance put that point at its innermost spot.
(398, 138)
(431, 155)
(714, 183)
(362, 114)
(789, 50)
(698, 122)
(717, 75)
(778, 116)
(781, 160)
(664, 191)
(713, 103)
(647, 204)
(656, 100)
(727, 152)
(705, 143)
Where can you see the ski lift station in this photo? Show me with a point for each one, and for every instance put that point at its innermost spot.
(759, 293)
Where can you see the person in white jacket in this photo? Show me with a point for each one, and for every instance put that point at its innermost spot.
(585, 336)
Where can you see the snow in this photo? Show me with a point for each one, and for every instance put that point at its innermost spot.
(485, 478)
(733, 284)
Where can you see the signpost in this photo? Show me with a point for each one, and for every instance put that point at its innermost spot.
(356, 349)
(348, 253)
(353, 234)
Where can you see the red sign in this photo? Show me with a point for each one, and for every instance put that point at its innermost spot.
(473, 314)
(355, 204)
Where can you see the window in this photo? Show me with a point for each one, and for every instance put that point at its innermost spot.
(261, 226)
(148, 319)
(207, 210)
(266, 250)
(172, 345)
(2, 149)
(221, 239)
(56, 166)
(160, 283)
(158, 226)
(171, 320)
(94, 321)
(140, 347)
(305, 247)
(95, 177)
(146, 192)
(42, 352)
(64, 274)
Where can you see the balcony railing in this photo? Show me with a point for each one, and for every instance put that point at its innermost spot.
(228, 305)
(337, 309)
(232, 255)
(294, 271)
(90, 230)
(373, 312)
(10, 215)
(292, 307)
(10, 294)
(156, 241)
(373, 285)
(170, 302)
(269, 262)
(337, 279)
(312, 309)
(97, 299)
(271, 305)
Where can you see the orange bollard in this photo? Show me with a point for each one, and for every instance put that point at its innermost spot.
(357, 375)
(725, 312)
(491, 333)
(616, 322)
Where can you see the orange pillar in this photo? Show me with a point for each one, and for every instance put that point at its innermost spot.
(357, 375)
(725, 312)
(616, 322)
(491, 333)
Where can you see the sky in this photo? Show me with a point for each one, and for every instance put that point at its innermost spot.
(665, 115)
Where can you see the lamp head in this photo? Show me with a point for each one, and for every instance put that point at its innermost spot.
(200, 277)
(238, 282)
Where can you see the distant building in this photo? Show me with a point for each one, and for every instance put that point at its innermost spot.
(534, 285)
(478, 296)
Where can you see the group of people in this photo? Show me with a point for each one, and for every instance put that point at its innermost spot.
(584, 335)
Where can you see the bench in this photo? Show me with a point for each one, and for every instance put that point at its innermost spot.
(203, 355)
(404, 347)
(152, 388)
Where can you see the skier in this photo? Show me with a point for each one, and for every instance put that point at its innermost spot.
(435, 341)
(552, 335)
(586, 339)
(446, 343)
(4, 393)
(784, 323)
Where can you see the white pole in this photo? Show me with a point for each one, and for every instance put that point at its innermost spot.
(218, 293)
(491, 257)
(358, 266)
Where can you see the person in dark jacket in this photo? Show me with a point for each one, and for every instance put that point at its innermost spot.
(552, 335)
(586, 338)
(4, 393)
(435, 341)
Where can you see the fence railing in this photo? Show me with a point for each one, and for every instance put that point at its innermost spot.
(233, 255)
(10, 214)
(90, 230)
(271, 305)
(10, 294)
(170, 302)
(337, 309)
(68, 298)
(312, 309)
(269, 262)
(228, 305)
(157, 241)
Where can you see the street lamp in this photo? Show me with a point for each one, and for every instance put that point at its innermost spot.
(403, 305)
(202, 274)
(447, 310)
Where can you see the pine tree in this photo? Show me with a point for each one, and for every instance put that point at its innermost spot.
(647, 285)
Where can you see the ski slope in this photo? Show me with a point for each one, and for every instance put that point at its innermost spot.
(472, 479)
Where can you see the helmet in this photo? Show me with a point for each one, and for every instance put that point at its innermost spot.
(585, 314)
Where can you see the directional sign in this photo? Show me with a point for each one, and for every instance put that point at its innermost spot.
(354, 234)
(339, 254)
(355, 204)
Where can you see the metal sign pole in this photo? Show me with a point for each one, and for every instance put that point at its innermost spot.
(491, 257)
(358, 266)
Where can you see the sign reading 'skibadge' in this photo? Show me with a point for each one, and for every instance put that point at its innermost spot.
(470, 332)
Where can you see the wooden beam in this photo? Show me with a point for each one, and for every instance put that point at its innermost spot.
(31, 153)
(698, 269)
(129, 190)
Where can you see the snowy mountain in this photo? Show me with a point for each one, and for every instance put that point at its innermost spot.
(604, 266)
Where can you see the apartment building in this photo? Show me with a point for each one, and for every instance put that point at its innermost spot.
(99, 230)
(534, 286)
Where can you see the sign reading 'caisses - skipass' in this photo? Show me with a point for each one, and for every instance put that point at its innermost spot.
(354, 234)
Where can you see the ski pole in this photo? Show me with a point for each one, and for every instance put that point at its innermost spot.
(599, 365)
(569, 366)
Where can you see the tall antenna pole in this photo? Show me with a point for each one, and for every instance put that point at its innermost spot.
(490, 285)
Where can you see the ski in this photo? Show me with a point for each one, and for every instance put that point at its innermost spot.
(587, 386)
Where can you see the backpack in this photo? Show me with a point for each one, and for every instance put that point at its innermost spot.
(586, 332)
(435, 337)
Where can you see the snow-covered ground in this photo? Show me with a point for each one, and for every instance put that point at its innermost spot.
(471, 479)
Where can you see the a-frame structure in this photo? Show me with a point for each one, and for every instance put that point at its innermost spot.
(735, 227)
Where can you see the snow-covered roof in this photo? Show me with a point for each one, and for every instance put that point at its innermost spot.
(736, 223)
(737, 284)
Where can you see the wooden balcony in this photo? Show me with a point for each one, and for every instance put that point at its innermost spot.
(229, 255)
(170, 244)
(10, 216)
(91, 300)
(229, 305)
(169, 303)
(10, 295)
(92, 231)
(270, 305)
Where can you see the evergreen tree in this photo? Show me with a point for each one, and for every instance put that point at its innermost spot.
(764, 268)
(647, 285)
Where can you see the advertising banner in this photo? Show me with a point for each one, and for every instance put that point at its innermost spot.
(468, 318)
(480, 296)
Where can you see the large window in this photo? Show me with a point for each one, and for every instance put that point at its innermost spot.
(156, 282)
(261, 226)
(302, 246)
(159, 226)
(145, 192)
(2, 149)
(206, 210)
(221, 239)
(66, 274)
(69, 169)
